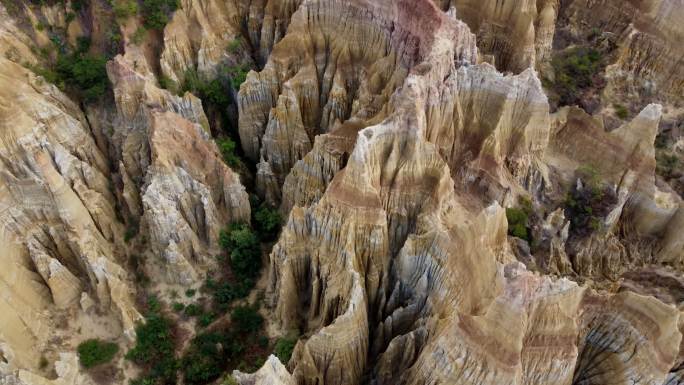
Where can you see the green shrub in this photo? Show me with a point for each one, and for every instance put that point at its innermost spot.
(268, 221)
(205, 319)
(229, 380)
(246, 319)
(123, 9)
(238, 75)
(227, 148)
(244, 250)
(78, 5)
(585, 206)
(131, 230)
(193, 310)
(94, 352)
(225, 293)
(667, 165)
(84, 72)
(190, 293)
(284, 347)
(234, 45)
(178, 307)
(166, 83)
(139, 35)
(206, 358)
(156, 12)
(517, 223)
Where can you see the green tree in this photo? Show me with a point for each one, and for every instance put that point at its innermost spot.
(244, 250)
(268, 221)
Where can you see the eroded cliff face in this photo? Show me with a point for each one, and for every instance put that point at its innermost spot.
(394, 137)
(59, 227)
(406, 240)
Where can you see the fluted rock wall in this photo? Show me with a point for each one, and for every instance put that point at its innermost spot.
(513, 35)
(393, 141)
(339, 62)
(180, 189)
(201, 32)
(400, 230)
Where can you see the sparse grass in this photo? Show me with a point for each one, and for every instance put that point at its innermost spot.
(234, 45)
(667, 165)
(139, 35)
(621, 111)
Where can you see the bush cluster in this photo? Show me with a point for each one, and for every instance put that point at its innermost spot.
(211, 353)
(154, 348)
(585, 206)
(284, 347)
(518, 220)
(84, 73)
(124, 9)
(156, 12)
(227, 148)
(574, 71)
(268, 221)
(94, 352)
(244, 250)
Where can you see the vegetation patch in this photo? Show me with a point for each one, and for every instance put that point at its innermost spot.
(244, 250)
(156, 12)
(576, 70)
(154, 349)
(621, 111)
(268, 221)
(284, 347)
(94, 352)
(518, 220)
(79, 71)
(588, 203)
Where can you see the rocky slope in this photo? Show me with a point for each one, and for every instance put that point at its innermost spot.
(444, 221)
